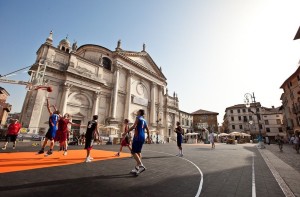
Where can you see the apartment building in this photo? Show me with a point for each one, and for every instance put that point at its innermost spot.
(291, 103)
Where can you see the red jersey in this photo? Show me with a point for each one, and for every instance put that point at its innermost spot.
(63, 124)
(14, 128)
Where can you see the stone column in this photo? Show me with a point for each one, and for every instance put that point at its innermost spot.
(64, 99)
(116, 90)
(128, 94)
(96, 103)
(152, 109)
(161, 104)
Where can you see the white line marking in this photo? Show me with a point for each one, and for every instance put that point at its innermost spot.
(201, 180)
(286, 190)
(253, 179)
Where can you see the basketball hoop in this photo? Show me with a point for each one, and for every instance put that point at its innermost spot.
(47, 88)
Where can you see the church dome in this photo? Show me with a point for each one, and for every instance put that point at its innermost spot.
(65, 42)
(65, 45)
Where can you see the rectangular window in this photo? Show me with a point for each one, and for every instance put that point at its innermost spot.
(266, 122)
(280, 129)
(244, 110)
(260, 126)
(268, 129)
(232, 118)
(231, 111)
(239, 111)
(249, 110)
(250, 117)
(233, 126)
(245, 119)
(240, 118)
(241, 126)
(278, 121)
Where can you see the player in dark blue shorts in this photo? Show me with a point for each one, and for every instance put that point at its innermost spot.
(178, 130)
(139, 125)
(50, 135)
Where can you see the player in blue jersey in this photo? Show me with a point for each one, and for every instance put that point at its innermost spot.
(139, 125)
(50, 135)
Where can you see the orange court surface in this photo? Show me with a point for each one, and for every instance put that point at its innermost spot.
(12, 162)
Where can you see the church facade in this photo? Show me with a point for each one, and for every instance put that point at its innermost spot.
(93, 80)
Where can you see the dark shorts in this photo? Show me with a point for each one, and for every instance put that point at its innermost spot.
(137, 146)
(88, 143)
(51, 133)
(179, 141)
(11, 138)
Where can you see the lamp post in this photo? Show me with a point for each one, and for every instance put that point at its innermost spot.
(251, 97)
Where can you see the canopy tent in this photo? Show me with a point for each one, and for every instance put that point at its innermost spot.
(245, 135)
(235, 133)
(223, 134)
(190, 134)
(110, 128)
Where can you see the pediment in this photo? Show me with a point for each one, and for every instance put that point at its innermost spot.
(144, 60)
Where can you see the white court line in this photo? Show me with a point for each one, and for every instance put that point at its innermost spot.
(201, 180)
(253, 179)
(284, 187)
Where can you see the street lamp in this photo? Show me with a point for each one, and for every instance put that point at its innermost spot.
(251, 97)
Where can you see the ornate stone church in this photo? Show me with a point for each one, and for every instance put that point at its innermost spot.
(93, 80)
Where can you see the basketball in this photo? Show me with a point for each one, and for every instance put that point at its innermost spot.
(49, 89)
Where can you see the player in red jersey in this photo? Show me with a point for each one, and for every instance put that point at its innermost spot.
(63, 132)
(126, 138)
(12, 133)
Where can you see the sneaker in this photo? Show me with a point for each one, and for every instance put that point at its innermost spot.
(65, 153)
(14, 147)
(117, 155)
(91, 158)
(49, 152)
(134, 170)
(87, 160)
(180, 155)
(4, 148)
(41, 152)
(141, 169)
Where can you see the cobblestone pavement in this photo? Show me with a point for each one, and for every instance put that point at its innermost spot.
(288, 155)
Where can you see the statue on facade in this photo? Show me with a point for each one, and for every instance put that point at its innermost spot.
(144, 47)
(74, 46)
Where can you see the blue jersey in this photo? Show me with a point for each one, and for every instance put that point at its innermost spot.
(54, 119)
(142, 124)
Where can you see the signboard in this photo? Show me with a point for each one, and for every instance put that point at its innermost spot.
(140, 101)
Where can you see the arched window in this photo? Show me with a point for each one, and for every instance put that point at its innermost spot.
(63, 48)
(67, 50)
(106, 63)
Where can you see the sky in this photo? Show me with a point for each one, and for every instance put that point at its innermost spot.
(212, 52)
